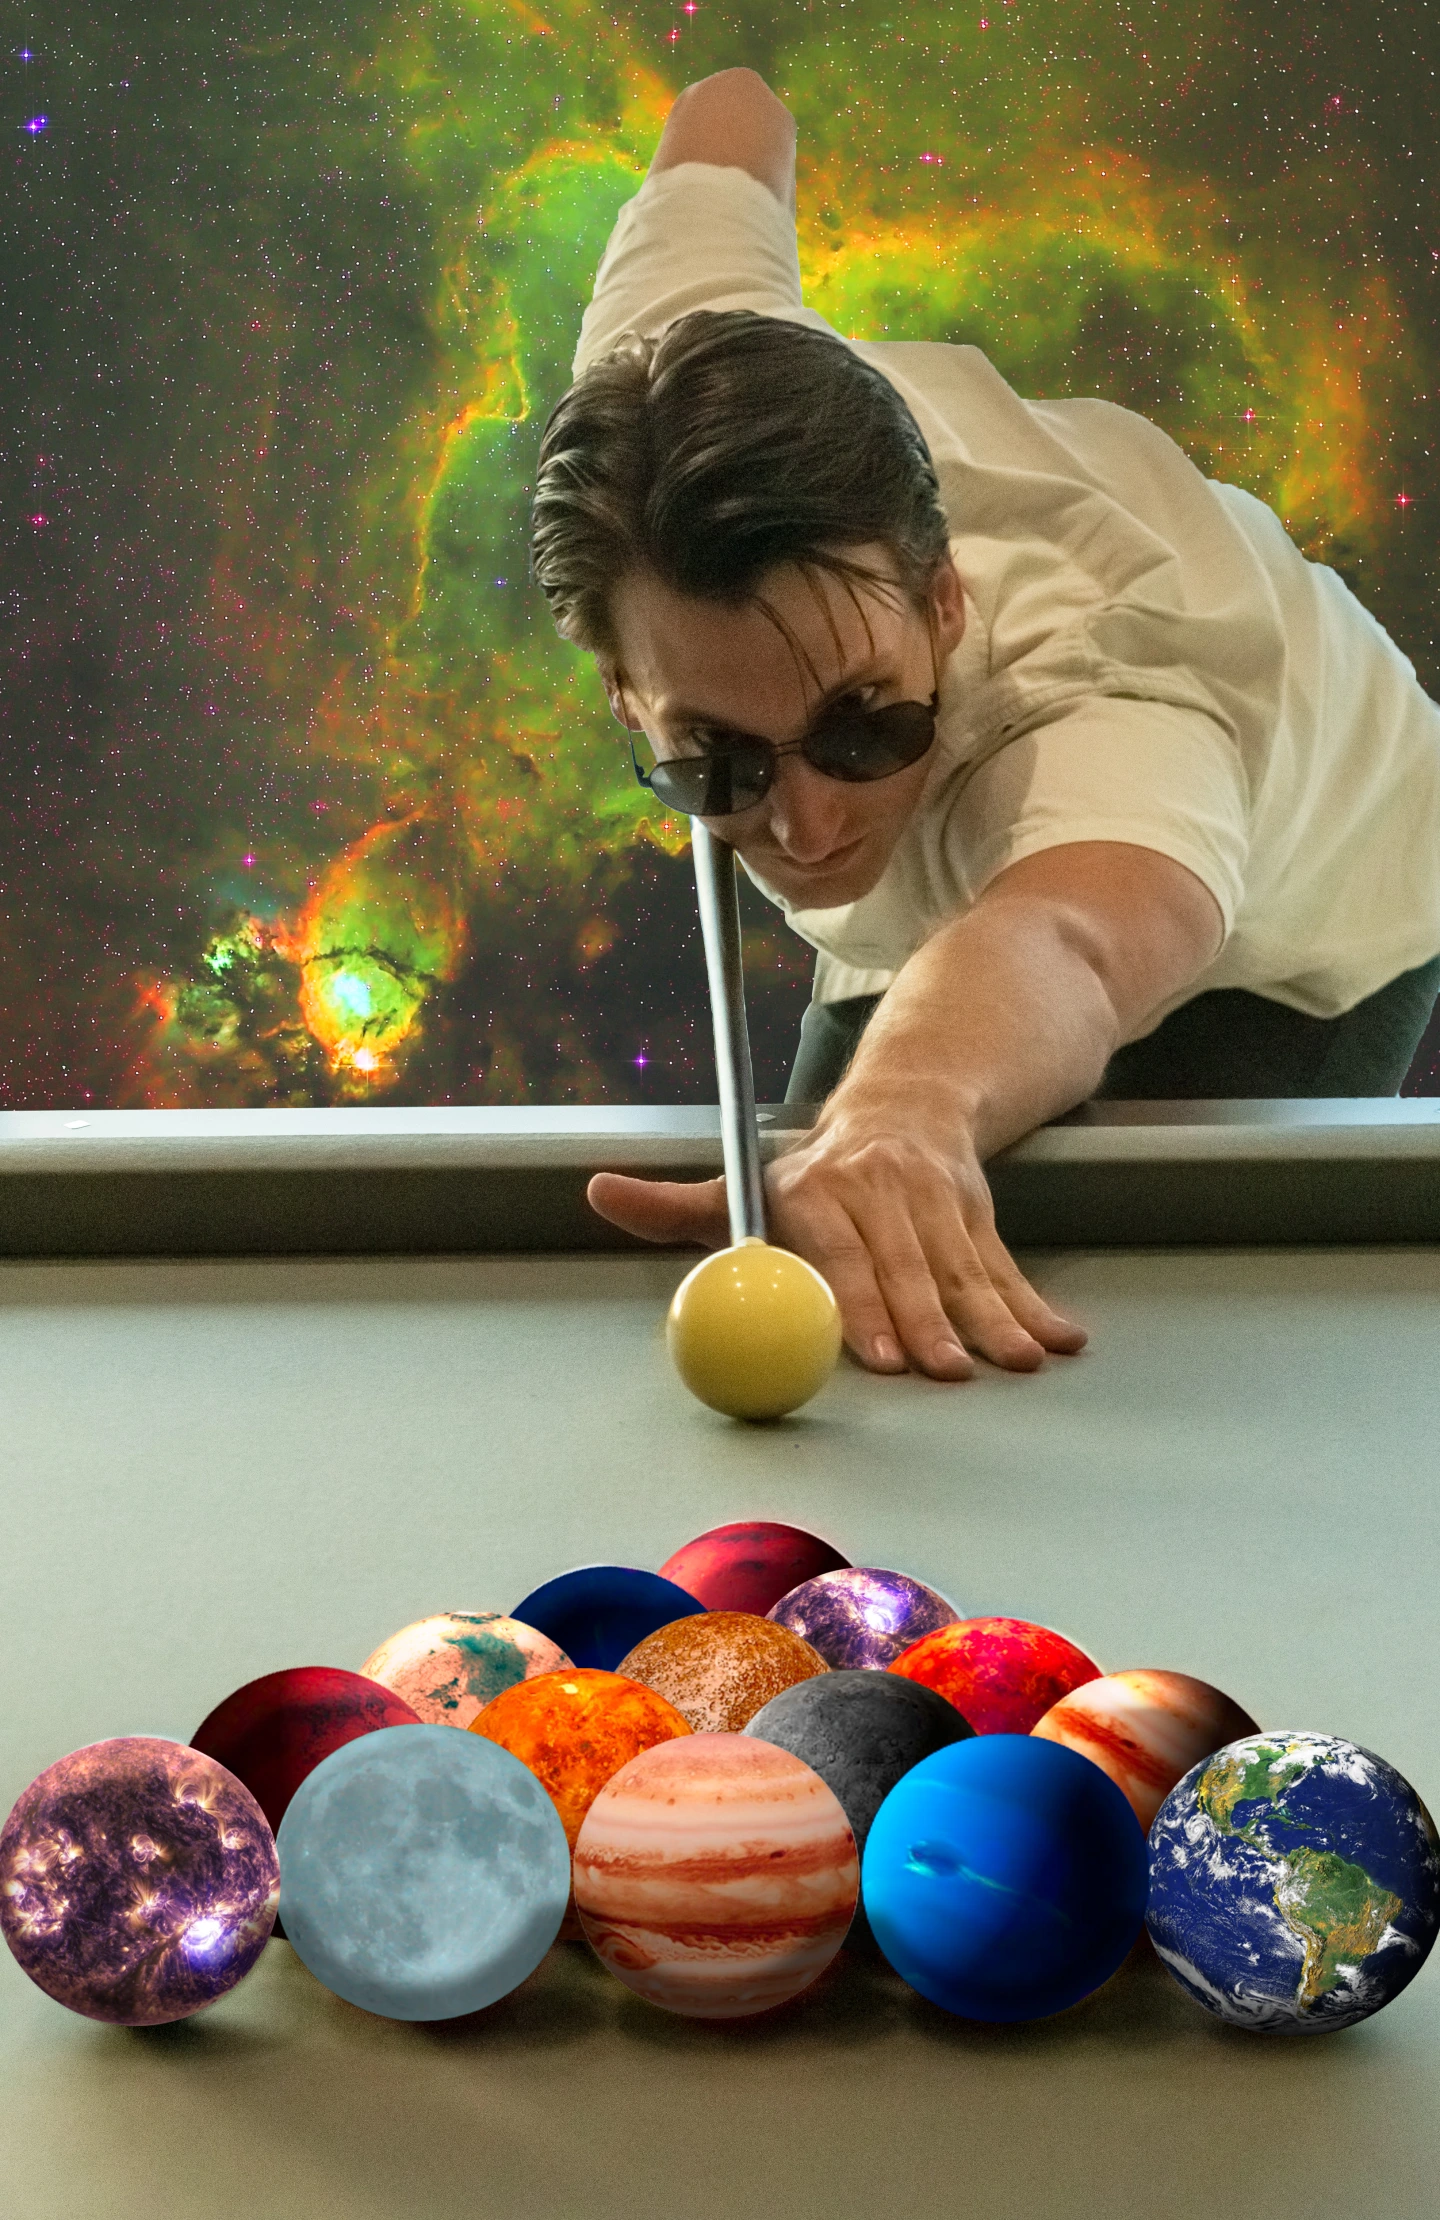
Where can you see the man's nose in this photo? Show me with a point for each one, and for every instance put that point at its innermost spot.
(807, 811)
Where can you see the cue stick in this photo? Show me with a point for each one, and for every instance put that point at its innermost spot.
(739, 1133)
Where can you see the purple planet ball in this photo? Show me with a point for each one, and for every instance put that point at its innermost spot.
(138, 1881)
(861, 1618)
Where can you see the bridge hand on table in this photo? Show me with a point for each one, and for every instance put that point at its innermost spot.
(905, 1236)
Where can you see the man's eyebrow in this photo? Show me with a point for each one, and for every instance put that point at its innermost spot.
(844, 685)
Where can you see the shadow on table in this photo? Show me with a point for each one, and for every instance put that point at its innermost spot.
(858, 2000)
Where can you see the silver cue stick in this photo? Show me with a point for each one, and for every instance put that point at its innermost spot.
(739, 1133)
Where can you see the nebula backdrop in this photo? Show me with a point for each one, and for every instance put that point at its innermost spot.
(304, 800)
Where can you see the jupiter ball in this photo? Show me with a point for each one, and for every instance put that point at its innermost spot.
(424, 1873)
(718, 1669)
(138, 1881)
(449, 1666)
(1001, 1674)
(716, 1875)
(1146, 1730)
(862, 1616)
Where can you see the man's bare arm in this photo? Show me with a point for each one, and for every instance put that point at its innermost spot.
(733, 120)
(1004, 1018)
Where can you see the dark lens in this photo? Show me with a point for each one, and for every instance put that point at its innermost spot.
(862, 744)
(715, 785)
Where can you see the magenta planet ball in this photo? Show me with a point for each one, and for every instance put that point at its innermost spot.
(862, 1617)
(138, 1881)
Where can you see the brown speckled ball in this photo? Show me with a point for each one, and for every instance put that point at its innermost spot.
(718, 1669)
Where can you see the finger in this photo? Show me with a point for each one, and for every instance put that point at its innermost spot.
(834, 1247)
(1050, 1328)
(914, 1296)
(663, 1209)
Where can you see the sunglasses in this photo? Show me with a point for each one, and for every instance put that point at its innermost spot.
(858, 746)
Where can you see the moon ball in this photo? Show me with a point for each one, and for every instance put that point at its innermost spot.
(716, 1875)
(861, 1732)
(138, 1881)
(424, 1873)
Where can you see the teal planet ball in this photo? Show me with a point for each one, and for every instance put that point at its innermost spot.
(1005, 1877)
(423, 1873)
(1294, 1883)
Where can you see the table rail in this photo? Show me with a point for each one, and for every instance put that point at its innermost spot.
(413, 1181)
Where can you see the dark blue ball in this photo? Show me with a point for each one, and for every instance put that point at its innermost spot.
(1005, 1878)
(599, 1612)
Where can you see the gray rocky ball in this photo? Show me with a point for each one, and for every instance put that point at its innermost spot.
(861, 1732)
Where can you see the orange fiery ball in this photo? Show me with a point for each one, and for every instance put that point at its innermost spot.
(575, 1730)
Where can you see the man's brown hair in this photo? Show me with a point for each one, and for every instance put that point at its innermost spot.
(729, 444)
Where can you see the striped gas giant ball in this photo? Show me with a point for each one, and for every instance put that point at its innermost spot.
(1145, 1729)
(716, 1875)
(1294, 1883)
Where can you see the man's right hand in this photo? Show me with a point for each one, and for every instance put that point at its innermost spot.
(733, 120)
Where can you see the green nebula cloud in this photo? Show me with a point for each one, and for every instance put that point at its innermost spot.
(380, 299)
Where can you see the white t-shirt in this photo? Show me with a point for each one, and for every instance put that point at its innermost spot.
(1147, 656)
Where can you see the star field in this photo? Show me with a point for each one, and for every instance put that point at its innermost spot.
(305, 800)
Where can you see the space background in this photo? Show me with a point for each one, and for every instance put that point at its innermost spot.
(305, 802)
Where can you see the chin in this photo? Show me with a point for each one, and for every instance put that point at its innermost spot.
(821, 890)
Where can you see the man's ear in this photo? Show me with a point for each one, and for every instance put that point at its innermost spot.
(610, 680)
(947, 600)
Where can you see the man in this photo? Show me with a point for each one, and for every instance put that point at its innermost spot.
(1076, 774)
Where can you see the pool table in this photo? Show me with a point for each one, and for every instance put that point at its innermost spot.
(274, 1383)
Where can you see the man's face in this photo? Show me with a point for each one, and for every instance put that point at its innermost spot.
(691, 671)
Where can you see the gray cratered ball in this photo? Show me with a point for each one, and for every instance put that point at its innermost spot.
(861, 1732)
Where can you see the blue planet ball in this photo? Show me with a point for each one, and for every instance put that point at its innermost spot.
(423, 1872)
(598, 1613)
(1294, 1883)
(1004, 1878)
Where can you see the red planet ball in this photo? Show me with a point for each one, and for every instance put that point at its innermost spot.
(1000, 1674)
(274, 1731)
(750, 1565)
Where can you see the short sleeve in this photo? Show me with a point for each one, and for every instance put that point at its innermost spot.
(695, 236)
(1143, 773)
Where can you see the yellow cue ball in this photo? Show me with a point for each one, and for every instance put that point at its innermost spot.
(754, 1331)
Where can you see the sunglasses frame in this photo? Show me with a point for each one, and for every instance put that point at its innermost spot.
(773, 753)
(767, 756)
